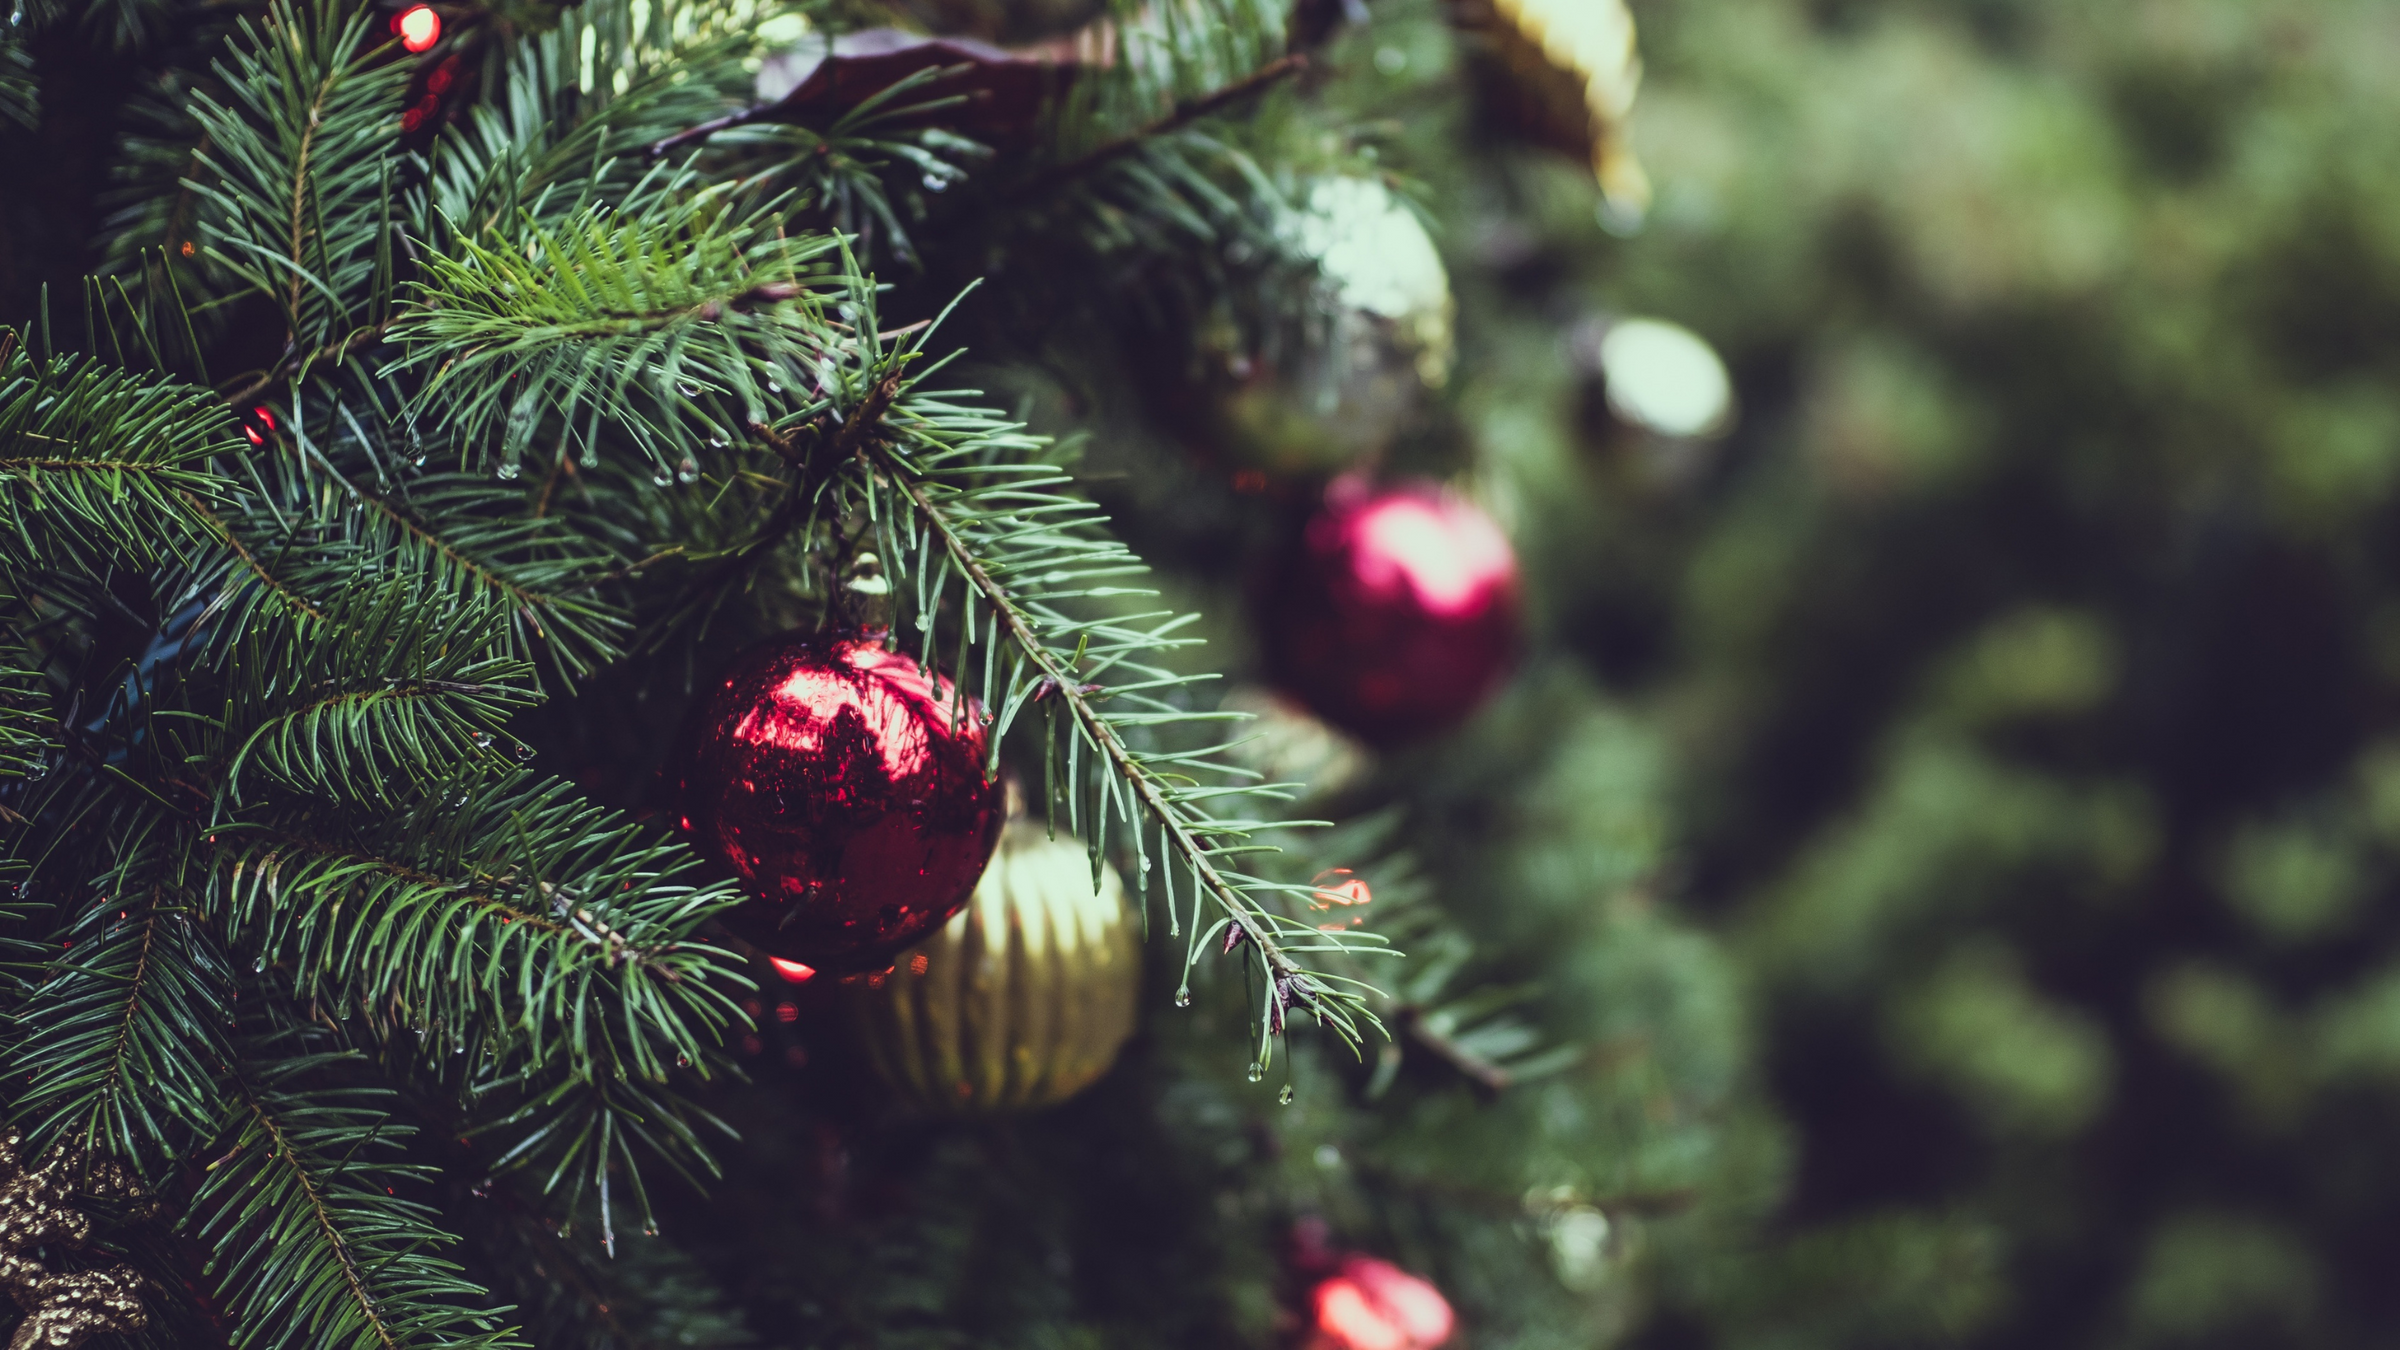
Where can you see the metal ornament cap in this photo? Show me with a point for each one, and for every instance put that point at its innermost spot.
(827, 774)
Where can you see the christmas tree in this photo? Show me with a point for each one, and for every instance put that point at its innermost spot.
(552, 548)
(1880, 845)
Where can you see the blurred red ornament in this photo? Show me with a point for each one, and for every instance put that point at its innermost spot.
(419, 27)
(1370, 1304)
(826, 773)
(1396, 613)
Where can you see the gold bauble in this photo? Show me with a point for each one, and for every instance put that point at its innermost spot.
(1380, 337)
(1023, 999)
(1565, 72)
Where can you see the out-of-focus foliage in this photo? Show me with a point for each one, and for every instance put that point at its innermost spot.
(2030, 652)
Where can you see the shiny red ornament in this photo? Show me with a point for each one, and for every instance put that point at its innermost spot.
(826, 773)
(418, 26)
(1370, 1304)
(1396, 614)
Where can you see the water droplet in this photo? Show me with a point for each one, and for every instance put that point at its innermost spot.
(1183, 997)
(773, 387)
(649, 1230)
(1145, 864)
(935, 182)
(717, 443)
(661, 479)
(417, 463)
(523, 752)
(1284, 1098)
(37, 771)
(683, 1061)
(688, 470)
(482, 739)
(508, 471)
(258, 965)
(1257, 1071)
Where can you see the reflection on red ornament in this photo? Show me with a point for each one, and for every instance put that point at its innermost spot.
(419, 27)
(1395, 614)
(792, 970)
(828, 775)
(1370, 1304)
(258, 425)
(1337, 888)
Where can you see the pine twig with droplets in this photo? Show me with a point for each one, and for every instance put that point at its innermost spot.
(953, 494)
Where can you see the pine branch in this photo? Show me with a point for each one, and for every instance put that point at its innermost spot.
(531, 951)
(99, 460)
(469, 538)
(586, 1138)
(1191, 837)
(385, 700)
(119, 1041)
(967, 496)
(518, 912)
(18, 102)
(26, 721)
(644, 327)
(298, 169)
(1257, 82)
(299, 166)
(315, 1251)
(300, 363)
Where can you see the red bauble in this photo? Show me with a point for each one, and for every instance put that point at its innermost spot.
(1369, 1304)
(1396, 614)
(826, 773)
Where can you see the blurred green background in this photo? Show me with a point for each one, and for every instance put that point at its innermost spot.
(2026, 659)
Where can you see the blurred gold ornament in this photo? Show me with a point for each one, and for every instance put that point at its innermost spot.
(1023, 999)
(1286, 743)
(1567, 74)
(1383, 335)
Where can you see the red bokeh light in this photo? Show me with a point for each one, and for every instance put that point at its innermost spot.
(792, 970)
(258, 424)
(1395, 613)
(1370, 1304)
(1337, 887)
(419, 27)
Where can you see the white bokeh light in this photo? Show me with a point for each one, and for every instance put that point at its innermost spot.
(1665, 378)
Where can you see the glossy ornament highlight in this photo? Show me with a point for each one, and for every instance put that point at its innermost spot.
(419, 27)
(1318, 400)
(826, 774)
(1371, 1304)
(1396, 612)
(1023, 999)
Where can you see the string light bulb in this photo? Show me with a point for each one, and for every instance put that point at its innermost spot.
(419, 27)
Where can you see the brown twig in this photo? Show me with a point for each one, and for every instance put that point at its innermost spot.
(1184, 114)
(295, 361)
(1482, 1072)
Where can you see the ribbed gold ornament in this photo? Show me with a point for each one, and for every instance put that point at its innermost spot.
(1020, 1001)
(1570, 71)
